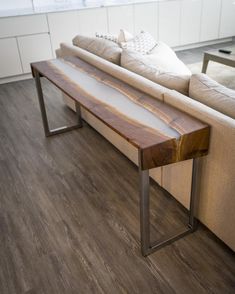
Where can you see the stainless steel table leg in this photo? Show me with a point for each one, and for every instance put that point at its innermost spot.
(47, 130)
(144, 212)
(146, 246)
(193, 197)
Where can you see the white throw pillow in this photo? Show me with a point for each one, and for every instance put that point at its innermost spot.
(124, 36)
(165, 73)
(165, 59)
(209, 92)
(143, 43)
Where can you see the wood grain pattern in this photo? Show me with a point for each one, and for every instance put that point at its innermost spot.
(184, 137)
(69, 221)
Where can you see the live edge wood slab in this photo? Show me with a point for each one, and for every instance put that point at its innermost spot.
(179, 136)
(161, 133)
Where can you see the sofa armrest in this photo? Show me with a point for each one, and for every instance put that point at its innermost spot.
(217, 170)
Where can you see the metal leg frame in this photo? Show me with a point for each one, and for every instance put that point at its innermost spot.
(47, 130)
(146, 246)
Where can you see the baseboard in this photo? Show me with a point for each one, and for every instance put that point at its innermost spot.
(201, 44)
(15, 78)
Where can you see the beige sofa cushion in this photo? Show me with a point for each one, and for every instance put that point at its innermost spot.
(147, 66)
(106, 49)
(209, 92)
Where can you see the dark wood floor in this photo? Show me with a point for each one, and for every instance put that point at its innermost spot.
(69, 214)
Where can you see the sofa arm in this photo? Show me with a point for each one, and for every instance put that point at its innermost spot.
(217, 185)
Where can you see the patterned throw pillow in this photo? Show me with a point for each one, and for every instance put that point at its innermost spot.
(142, 43)
(107, 37)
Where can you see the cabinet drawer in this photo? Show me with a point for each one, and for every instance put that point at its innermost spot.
(23, 25)
(9, 58)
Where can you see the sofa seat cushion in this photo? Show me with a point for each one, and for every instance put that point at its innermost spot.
(207, 91)
(104, 48)
(169, 72)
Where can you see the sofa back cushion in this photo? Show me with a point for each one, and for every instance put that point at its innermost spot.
(173, 75)
(106, 49)
(209, 92)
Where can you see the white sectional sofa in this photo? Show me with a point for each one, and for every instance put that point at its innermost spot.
(217, 170)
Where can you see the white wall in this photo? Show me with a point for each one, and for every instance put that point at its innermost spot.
(15, 4)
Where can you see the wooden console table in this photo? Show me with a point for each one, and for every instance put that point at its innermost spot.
(161, 133)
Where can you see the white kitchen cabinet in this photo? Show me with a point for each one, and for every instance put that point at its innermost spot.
(120, 17)
(10, 64)
(146, 18)
(92, 20)
(190, 21)
(63, 27)
(227, 22)
(169, 22)
(210, 20)
(34, 48)
(23, 25)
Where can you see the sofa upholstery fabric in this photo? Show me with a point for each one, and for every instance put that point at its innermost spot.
(145, 66)
(104, 48)
(207, 91)
(217, 169)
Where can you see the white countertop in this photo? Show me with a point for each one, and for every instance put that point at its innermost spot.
(84, 4)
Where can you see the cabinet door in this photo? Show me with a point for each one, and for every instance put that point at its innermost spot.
(9, 58)
(91, 21)
(210, 20)
(190, 21)
(120, 17)
(169, 22)
(23, 25)
(34, 48)
(146, 18)
(227, 23)
(63, 27)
